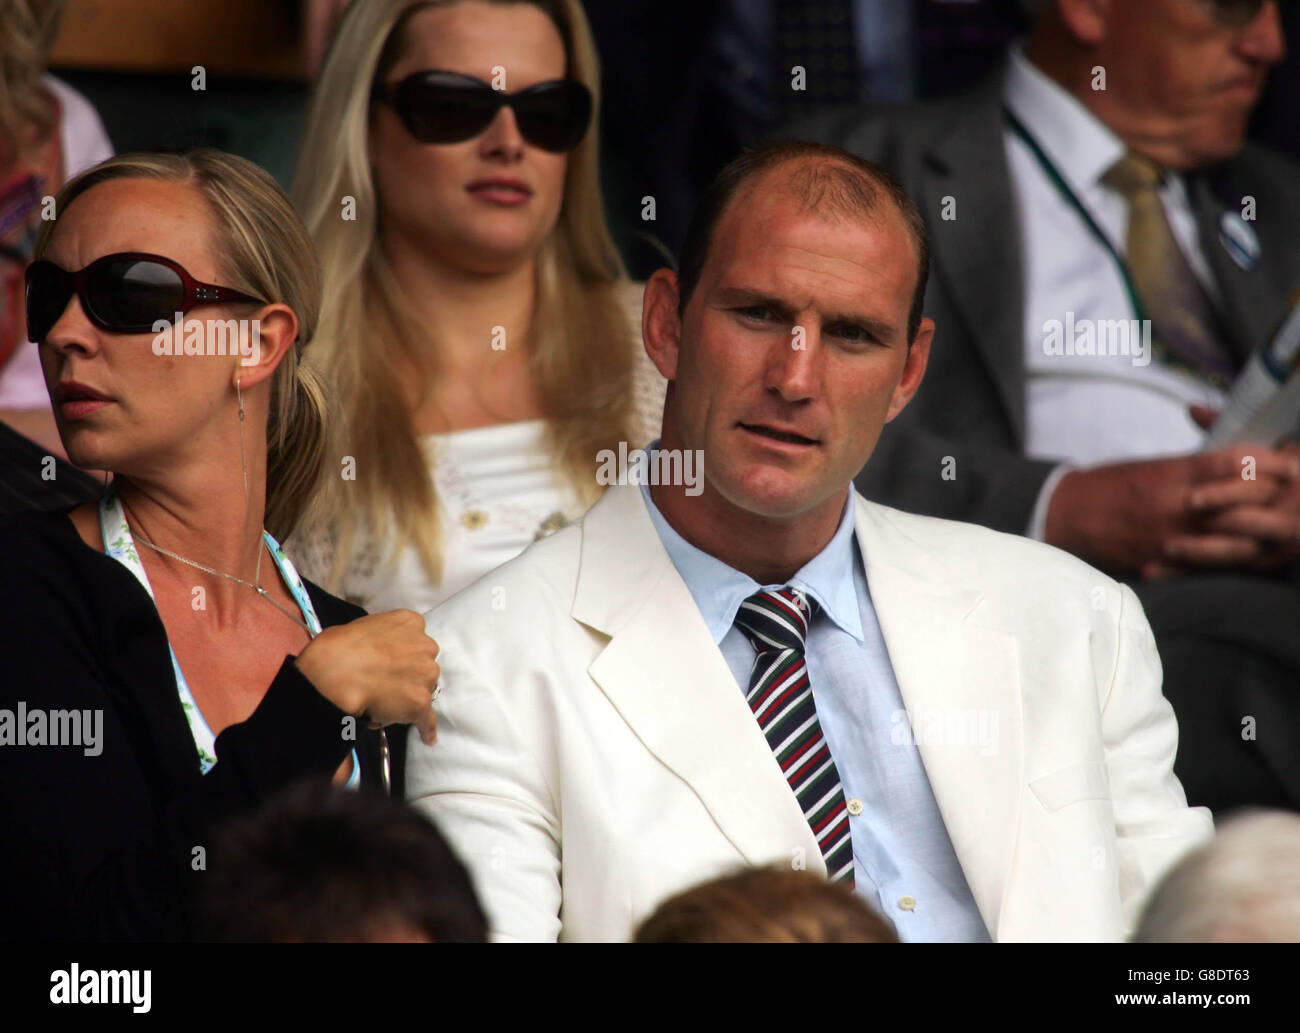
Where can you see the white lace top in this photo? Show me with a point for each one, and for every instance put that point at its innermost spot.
(499, 490)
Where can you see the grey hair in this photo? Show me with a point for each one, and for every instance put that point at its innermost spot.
(1241, 886)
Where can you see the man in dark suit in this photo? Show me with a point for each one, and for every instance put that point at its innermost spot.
(1102, 183)
(687, 83)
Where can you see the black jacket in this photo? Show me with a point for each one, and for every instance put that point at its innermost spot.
(108, 847)
(31, 478)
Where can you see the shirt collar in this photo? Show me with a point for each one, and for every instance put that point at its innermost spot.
(1080, 145)
(718, 590)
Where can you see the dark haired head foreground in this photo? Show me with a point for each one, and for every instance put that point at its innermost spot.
(695, 679)
(766, 905)
(319, 864)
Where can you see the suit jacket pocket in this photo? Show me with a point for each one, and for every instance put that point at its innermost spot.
(1071, 785)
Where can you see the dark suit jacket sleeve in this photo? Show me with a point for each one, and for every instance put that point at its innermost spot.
(926, 473)
(108, 846)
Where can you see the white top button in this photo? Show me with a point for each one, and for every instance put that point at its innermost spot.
(854, 805)
(907, 903)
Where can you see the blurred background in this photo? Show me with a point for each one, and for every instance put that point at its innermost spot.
(682, 85)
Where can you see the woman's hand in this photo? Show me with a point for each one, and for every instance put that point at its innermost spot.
(382, 667)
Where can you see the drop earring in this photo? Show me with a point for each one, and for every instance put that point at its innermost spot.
(243, 459)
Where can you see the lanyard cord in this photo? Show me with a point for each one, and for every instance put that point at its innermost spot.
(1139, 312)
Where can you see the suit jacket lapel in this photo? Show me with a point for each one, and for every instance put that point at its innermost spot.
(668, 680)
(1248, 303)
(951, 667)
(976, 255)
(663, 672)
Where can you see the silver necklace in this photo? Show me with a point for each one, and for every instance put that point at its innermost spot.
(230, 577)
(261, 544)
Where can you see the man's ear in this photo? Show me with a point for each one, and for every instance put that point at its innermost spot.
(918, 356)
(1086, 20)
(263, 343)
(661, 326)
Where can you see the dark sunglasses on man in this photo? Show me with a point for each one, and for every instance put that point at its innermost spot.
(124, 293)
(445, 107)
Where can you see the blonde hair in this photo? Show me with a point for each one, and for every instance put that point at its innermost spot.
(582, 358)
(28, 113)
(262, 249)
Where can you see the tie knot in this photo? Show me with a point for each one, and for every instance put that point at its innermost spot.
(776, 620)
(1133, 174)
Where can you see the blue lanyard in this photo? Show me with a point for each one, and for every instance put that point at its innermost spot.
(120, 545)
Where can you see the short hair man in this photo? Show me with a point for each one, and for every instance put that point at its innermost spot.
(766, 668)
(1099, 187)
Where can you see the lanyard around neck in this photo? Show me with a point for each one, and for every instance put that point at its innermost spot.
(119, 544)
(1054, 174)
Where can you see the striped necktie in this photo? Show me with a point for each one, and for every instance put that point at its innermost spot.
(780, 695)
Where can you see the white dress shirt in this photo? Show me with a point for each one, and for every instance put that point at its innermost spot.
(1088, 409)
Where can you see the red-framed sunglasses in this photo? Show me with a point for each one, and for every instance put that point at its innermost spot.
(124, 293)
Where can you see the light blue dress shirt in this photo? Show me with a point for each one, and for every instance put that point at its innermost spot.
(903, 861)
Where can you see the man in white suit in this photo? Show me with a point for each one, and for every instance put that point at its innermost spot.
(964, 725)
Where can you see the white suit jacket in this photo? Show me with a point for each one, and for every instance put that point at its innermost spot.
(595, 754)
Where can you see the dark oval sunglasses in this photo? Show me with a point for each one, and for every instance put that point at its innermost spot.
(124, 293)
(445, 107)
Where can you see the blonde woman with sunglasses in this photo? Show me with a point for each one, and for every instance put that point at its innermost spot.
(164, 664)
(478, 326)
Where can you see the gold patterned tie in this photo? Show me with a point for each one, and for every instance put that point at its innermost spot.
(1182, 317)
